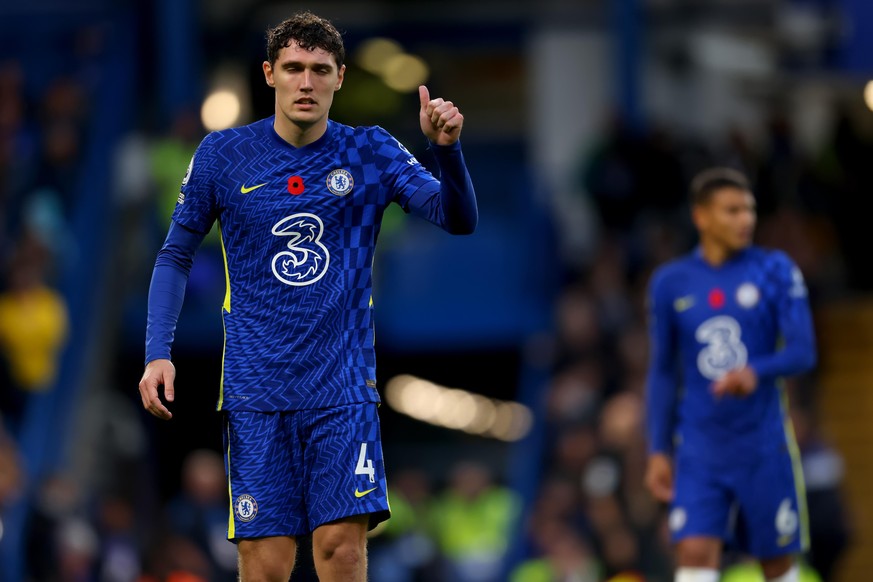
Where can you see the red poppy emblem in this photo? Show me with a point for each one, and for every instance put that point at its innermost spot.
(295, 185)
(716, 298)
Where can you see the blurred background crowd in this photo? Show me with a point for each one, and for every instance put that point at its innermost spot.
(513, 429)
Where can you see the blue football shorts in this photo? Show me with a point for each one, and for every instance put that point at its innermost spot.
(756, 507)
(292, 471)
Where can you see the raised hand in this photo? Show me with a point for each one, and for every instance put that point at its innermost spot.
(441, 121)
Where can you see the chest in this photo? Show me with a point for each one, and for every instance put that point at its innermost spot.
(324, 187)
(740, 303)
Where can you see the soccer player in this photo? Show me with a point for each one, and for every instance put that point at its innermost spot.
(727, 321)
(299, 200)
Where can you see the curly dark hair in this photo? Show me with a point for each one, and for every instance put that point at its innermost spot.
(310, 32)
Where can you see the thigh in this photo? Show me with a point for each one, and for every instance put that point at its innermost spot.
(346, 470)
(702, 504)
(773, 507)
(265, 482)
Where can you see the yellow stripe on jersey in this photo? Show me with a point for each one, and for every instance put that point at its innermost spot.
(226, 308)
(226, 271)
(223, 353)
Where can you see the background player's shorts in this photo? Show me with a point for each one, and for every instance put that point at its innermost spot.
(290, 472)
(756, 507)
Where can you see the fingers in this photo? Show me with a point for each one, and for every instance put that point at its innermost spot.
(663, 493)
(444, 115)
(660, 489)
(441, 114)
(151, 401)
(731, 384)
(718, 389)
(659, 478)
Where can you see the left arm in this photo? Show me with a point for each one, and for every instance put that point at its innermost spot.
(441, 122)
(798, 353)
(795, 324)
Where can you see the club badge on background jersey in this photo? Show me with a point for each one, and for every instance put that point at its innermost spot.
(748, 295)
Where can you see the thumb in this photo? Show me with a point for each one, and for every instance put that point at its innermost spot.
(169, 389)
(423, 95)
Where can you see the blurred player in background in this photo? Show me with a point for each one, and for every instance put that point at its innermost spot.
(299, 200)
(727, 321)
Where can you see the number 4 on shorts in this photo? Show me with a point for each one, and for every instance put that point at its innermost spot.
(365, 465)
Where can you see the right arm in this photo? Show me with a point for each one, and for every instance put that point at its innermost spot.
(166, 294)
(661, 387)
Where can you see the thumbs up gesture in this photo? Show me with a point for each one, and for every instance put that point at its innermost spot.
(441, 121)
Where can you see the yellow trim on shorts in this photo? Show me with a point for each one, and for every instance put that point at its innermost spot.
(231, 526)
(797, 467)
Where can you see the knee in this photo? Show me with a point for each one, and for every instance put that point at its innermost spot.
(779, 566)
(256, 571)
(258, 563)
(344, 551)
(699, 553)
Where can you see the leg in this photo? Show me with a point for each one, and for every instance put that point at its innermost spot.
(340, 550)
(698, 559)
(780, 569)
(266, 559)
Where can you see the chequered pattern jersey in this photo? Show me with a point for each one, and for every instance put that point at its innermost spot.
(298, 229)
(750, 311)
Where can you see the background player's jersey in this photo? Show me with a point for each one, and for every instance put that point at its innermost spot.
(298, 228)
(704, 320)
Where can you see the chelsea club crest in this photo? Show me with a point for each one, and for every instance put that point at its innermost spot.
(340, 182)
(245, 507)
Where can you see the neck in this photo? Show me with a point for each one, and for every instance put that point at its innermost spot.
(298, 134)
(714, 253)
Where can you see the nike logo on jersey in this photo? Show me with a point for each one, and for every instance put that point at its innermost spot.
(246, 190)
(360, 494)
(683, 303)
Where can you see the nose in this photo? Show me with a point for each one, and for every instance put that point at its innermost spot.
(307, 79)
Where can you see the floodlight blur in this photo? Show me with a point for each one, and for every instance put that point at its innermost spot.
(374, 53)
(405, 72)
(458, 409)
(868, 95)
(220, 110)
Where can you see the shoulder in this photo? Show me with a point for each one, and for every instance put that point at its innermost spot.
(781, 271)
(375, 135)
(771, 260)
(372, 135)
(670, 273)
(232, 134)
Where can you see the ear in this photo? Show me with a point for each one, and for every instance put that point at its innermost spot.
(268, 73)
(699, 216)
(341, 74)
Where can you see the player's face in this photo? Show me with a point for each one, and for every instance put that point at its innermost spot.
(728, 219)
(305, 82)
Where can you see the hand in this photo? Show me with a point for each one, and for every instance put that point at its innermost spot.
(157, 373)
(659, 477)
(740, 382)
(441, 121)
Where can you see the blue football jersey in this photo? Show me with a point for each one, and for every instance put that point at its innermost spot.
(704, 321)
(298, 229)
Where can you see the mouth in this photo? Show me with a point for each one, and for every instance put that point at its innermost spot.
(306, 102)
